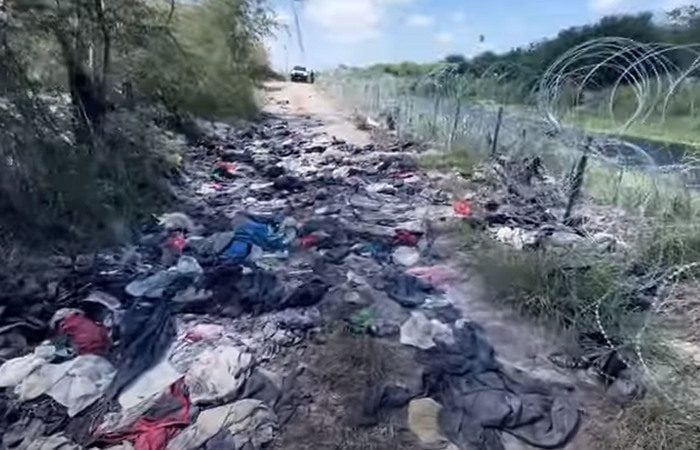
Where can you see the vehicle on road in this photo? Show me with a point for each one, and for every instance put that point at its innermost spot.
(302, 74)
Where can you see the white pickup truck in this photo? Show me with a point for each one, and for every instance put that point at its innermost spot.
(302, 74)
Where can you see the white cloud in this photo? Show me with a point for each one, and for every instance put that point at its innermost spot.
(346, 21)
(419, 20)
(607, 6)
(350, 21)
(444, 38)
(672, 4)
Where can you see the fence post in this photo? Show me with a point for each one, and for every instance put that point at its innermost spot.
(497, 131)
(458, 113)
(577, 182)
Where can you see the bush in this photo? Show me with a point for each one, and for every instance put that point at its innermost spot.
(80, 156)
(570, 290)
(62, 192)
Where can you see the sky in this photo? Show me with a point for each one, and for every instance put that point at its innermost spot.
(365, 32)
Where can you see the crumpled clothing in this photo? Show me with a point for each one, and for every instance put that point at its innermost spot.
(260, 291)
(153, 431)
(480, 400)
(439, 277)
(176, 242)
(53, 442)
(154, 286)
(217, 374)
(75, 384)
(463, 208)
(422, 333)
(250, 424)
(14, 371)
(87, 336)
(111, 308)
(405, 256)
(152, 382)
(253, 233)
(204, 331)
(147, 332)
(406, 237)
(408, 290)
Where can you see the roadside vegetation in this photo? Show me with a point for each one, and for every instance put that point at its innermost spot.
(610, 93)
(88, 92)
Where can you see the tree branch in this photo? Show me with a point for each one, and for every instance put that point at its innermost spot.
(106, 48)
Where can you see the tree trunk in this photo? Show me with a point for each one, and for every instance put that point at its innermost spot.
(89, 107)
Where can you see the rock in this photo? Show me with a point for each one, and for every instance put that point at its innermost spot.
(405, 256)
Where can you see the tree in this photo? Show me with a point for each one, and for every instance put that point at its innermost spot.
(455, 59)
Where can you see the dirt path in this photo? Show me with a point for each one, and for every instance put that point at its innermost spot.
(318, 295)
(307, 100)
(520, 345)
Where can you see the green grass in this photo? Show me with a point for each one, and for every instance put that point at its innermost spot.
(461, 160)
(662, 196)
(683, 131)
(567, 289)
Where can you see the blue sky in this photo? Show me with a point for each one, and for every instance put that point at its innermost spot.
(363, 32)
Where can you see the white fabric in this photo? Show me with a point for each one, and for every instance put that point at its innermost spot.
(15, 370)
(249, 421)
(422, 333)
(154, 381)
(75, 384)
(217, 374)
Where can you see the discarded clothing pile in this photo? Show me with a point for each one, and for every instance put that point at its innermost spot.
(197, 347)
(477, 398)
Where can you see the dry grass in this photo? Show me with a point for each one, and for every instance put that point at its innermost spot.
(654, 424)
(339, 376)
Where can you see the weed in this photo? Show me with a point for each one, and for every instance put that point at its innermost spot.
(654, 423)
(563, 288)
(462, 161)
(361, 321)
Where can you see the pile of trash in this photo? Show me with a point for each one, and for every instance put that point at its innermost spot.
(198, 336)
(524, 208)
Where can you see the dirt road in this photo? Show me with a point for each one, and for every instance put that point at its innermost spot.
(308, 100)
(316, 295)
(521, 345)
